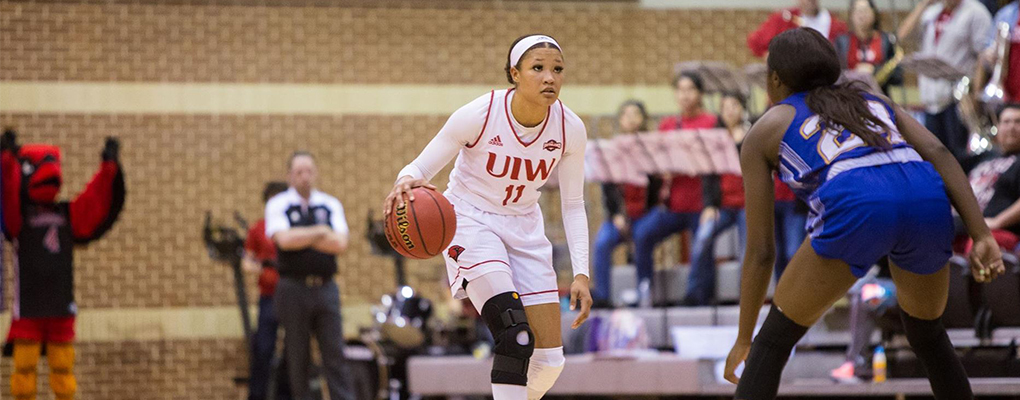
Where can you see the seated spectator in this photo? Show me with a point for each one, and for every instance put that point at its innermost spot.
(724, 208)
(866, 48)
(791, 225)
(996, 182)
(806, 14)
(625, 205)
(682, 194)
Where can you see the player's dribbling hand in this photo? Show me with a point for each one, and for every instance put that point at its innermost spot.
(579, 292)
(402, 192)
(986, 260)
(737, 355)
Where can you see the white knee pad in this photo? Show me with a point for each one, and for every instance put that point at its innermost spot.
(545, 367)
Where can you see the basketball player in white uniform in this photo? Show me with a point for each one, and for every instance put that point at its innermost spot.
(507, 144)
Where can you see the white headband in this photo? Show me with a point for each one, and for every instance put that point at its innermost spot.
(524, 44)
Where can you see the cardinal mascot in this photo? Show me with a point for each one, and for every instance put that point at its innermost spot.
(44, 232)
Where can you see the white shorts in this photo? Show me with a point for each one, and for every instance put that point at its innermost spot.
(516, 244)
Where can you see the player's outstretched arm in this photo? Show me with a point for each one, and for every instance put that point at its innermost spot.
(756, 167)
(986, 260)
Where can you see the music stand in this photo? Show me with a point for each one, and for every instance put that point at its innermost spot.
(933, 67)
(596, 167)
(717, 76)
(857, 76)
(721, 150)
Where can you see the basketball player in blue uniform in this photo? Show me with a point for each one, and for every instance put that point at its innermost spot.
(877, 183)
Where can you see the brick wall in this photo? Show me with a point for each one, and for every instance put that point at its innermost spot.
(178, 166)
(171, 369)
(465, 42)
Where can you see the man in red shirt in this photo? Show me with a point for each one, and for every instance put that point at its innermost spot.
(807, 14)
(260, 256)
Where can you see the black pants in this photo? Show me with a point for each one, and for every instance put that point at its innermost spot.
(949, 129)
(305, 310)
(263, 345)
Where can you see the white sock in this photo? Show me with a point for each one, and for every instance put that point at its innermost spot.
(544, 369)
(502, 391)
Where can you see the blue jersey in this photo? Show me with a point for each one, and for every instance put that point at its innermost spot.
(810, 149)
(866, 202)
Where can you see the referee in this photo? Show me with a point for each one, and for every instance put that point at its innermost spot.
(310, 231)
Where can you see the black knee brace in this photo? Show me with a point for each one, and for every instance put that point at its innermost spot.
(505, 317)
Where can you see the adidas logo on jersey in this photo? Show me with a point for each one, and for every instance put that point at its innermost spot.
(496, 142)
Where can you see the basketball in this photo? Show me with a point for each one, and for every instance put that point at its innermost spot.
(422, 228)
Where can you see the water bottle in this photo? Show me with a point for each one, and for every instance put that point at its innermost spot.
(878, 365)
(644, 294)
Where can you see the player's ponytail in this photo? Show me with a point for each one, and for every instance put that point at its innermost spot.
(806, 62)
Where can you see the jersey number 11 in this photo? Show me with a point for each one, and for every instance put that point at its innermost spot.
(510, 192)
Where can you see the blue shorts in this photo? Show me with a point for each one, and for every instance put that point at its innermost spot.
(900, 210)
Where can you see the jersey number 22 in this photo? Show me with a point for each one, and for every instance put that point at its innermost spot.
(835, 142)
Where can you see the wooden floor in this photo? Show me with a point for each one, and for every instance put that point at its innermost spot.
(663, 374)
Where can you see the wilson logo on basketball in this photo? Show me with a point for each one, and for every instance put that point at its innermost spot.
(402, 227)
(512, 166)
(454, 252)
(552, 145)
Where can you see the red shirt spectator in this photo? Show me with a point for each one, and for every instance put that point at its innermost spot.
(685, 194)
(783, 192)
(784, 20)
(262, 250)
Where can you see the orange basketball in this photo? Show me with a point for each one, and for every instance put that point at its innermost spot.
(424, 227)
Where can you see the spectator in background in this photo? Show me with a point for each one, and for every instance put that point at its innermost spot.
(996, 183)
(310, 231)
(724, 208)
(734, 116)
(625, 205)
(791, 225)
(806, 14)
(1010, 15)
(955, 31)
(260, 257)
(866, 49)
(682, 194)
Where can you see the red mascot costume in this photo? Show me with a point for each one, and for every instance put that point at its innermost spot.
(43, 231)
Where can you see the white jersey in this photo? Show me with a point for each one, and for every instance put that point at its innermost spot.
(499, 172)
(501, 164)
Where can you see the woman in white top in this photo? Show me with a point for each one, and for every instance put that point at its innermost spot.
(507, 143)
